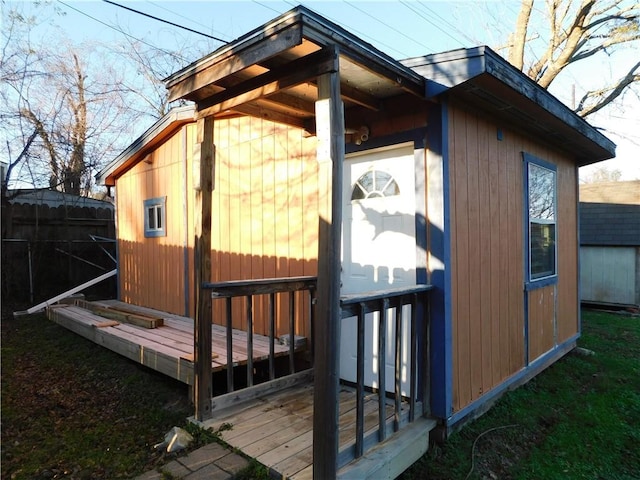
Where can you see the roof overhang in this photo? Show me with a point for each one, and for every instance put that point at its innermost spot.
(271, 72)
(481, 78)
(145, 143)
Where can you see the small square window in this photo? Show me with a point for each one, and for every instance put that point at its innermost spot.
(154, 218)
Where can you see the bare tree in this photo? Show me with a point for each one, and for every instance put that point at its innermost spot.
(66, 108)
(602, 174)
(577, 30)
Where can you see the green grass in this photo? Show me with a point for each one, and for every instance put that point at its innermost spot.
(579, 419)
(72, 409)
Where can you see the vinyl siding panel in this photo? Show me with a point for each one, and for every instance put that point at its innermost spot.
(608, 274)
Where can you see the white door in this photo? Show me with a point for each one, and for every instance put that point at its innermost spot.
(378, 250)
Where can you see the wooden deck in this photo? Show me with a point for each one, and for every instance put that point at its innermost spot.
(167, 348)
(277, 430)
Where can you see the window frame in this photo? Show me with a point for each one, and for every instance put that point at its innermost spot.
(367, 194)
(552, 279)
(157, 203)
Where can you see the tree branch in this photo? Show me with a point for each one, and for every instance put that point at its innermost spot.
(516, 50)
(607, 95)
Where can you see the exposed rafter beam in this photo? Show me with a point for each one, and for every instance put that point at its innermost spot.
(269, 114)
(198, 76)
(360, 98)
(294, 73)
(296, 104)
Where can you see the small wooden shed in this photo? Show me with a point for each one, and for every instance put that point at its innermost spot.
(308, 152)
(610, 243)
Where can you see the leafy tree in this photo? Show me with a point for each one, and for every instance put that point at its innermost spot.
(576, 30)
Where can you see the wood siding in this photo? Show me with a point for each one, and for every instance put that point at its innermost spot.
(265, 212)
(487, 256)
(151, 269)
(541, 320)
(567, 313)
(264, 217)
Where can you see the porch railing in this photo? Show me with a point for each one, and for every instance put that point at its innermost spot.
(389, 303)
(274, 289)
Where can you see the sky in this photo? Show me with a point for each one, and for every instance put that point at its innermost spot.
(401, 29)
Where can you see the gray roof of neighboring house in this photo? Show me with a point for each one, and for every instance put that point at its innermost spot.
(609, 224)
(54, 198)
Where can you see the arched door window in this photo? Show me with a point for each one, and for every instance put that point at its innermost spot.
(373, 184)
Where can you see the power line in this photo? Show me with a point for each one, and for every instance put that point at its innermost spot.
(159, 5)
(119, 30)
(410, 7)
(446, 22)
(165, 21)
(266, 6)
(386, 24)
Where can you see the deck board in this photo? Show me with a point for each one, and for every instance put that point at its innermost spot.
(167, 348)
(277, 430)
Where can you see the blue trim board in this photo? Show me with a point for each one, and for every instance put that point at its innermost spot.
(546, 281)
(441, 341)
(480, 405)
(417, 135)
(552, 280)
(577, 191)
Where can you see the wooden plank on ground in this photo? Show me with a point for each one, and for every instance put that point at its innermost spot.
(122, 315)
(110, 323)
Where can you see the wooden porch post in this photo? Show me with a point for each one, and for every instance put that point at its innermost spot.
(203, 185)
(330, 132)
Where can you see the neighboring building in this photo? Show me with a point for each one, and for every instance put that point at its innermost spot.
(610, 243)
(458, 171)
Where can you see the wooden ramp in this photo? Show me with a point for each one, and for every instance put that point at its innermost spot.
(168, 348)
(277, 430)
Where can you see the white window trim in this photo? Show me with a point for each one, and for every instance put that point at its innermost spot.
(155, 203)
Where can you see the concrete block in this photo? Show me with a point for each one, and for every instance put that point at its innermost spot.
(210, 472)
(204, 456)
(232, 463)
